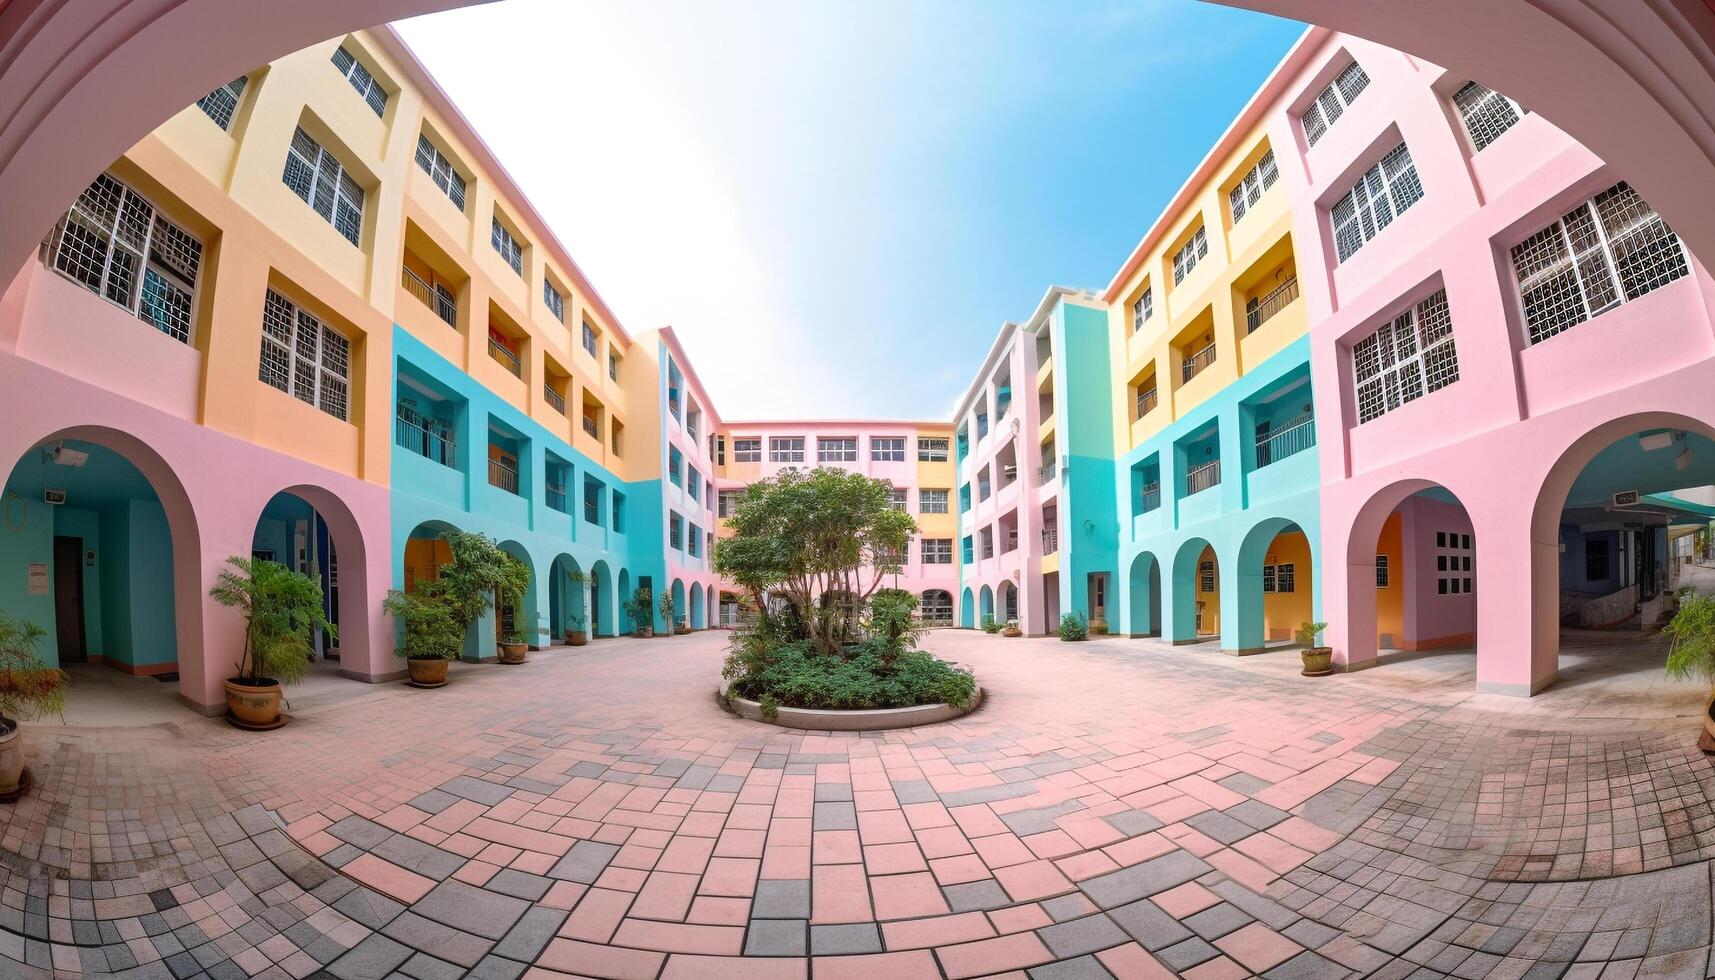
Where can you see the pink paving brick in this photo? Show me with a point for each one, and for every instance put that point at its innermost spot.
(839, 893)
(686, 966)
(678, 937)
(573, 957)
(1303, 833)
(939, 842)
(563, 895)
(1051, 844)
(906, 896)
(740, 843)
(1089, 864)
(785, 862)
(731, 877)
(939, 931)
(921, 815)
(1138, 849)
(1185, 899)
(453, 818)
(387, 878)
(1242, 869)
(884, 827)
(1292, 792)
(789, 830)
(1272, 852)
(476, 872)
(977, 820)
(1215, 795)
(836, 847)
(597, 916)
(890, 859)
(1033, 880)
(959, 869)
(686, 854)
(1257, 947)
(907, 965)
(665, 895)
(713, 911)
(483, 828)
(1191, 839)
(1013, 952)
(1002, 850)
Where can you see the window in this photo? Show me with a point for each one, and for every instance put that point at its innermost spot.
(1278, 578)
(676, 532)
(1487, 113)
(1142, 309)
(589, 341)
(612, 363)
(675, 466)
(1206, 576)
(552, 299)
(1331, 102)
(937, 607)
(1382, 194)
(1184, 260)
(931, 450)
(119, 247)
(507, 246)
(899, 498)
(1452, 563)
(932, 501)
(727, 504)
(786, 449)
(717, 448)
(440, 170)
(694, 540)
(1381, 572)
(694, 483)
(305, 357)
(747, 450)
(887, 450)
(618, 512)
(1596, 559)
(1249, 189)
(837, 450)
(1406, 358)
(314, 175)
(937, 551)
(361, 79)
(222, 103)
(592, 500)
(1609, 250)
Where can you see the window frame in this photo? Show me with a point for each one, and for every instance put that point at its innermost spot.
(1187, 256)
(1257, 181)
(1333, 101)
(781, 450)
(505, 244)
(926, 450)
(887, 449)
(553, 299)
(926, 500)
(748, 455)
(935, 551)
(369, 88)
(1491, 110)
(296, 357)
(1397, 192)
(224, 111)
(441, 171)
(1415, 354)
(1143, 308)
(836, 449)
(348, 197)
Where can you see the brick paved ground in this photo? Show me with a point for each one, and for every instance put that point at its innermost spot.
(1116, 808)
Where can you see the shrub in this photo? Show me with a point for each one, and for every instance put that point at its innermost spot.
(29, 688)
(431, 629)
(1306, 634)
(282, 611)
(794, 676)
(1073, 626)
(990, 625)
(1693, 630)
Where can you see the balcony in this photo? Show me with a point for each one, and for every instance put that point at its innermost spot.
(1298, 435)
(1260, 311)
(592, 427)
(1203, 477)
(1151, 496)
(1146, 401)
(1050, 540)
(434, 297)
(1047, 472)
(1196, 363)
(505, 356)
(424, 435)
(503, 473)
(557, 498)
(554, 398)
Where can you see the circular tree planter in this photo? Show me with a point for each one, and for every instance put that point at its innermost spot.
(832, 720)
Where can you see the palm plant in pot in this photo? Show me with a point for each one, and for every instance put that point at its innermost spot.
(576, 635)
(1318, 661)
(1693, 653)
(510, 588)
(641, 608)
(29, 688)
(282, 613)
(433, 634)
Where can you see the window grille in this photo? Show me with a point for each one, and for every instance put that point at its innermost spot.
(221, 104)
(1487, 113)
(786, 449)
(507, 246)
(1331, 103)
(1381, 572)
(932, 501)
(937, 607)
(1185, 260)
(305, 357)
(887, 450)
(937, 551)
(1279, 578)
(747, 450)
(931, 450)
(440, 170)
(836, 450)
(552, 299)
(590, 339)
(361, 80)
(316, 176)
(1382, 194)
(1206, 576)
(1406, 358)
(1250, 188)
(612, 365)
(1606, 251)
(1142, 309)
(118, 246)
(899, 498)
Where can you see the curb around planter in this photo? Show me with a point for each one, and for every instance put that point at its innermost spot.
(829, 720)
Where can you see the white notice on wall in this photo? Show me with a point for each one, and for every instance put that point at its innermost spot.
(38, 578)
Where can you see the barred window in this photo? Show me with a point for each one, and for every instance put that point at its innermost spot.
(1142, 309)
(836, 450)
(361, 79)
(936, 607)
(931, 450)
(676, 532)
(1381, 572)
(552, 299)
(1382, 194)
(887, 450)
(1487, 113)
(1279, 578)
(786, 449)
(612, 366)
(932, 501)
(440, 170)
(898, 498)
(507, 246)
(222, 103)
(1611, 249)
(305, 357)
(727, 504)
(1184, 260)
(316, 176)
(747, 450)
(118, 246)
(937, 551)
(1206, 576)
(589, 338)
(1249, 189)
(1331, 102)
(1407, 357)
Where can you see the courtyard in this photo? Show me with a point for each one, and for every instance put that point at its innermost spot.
(1115, 808)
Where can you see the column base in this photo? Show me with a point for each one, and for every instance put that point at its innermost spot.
(1354, 668)
(1517, 690)
(381, 678)
(206, 710)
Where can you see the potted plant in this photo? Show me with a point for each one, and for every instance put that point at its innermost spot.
(1073, 627)
(1099, 626)
(575, 624)
(1318, 661)
(29, 688)
(990, 625)
(668, 608)
(282, 612)
(640, 607)
(681, 627)
(575, 633)
(1012, 629)
(433, 634)
(510, 587)
(1693, 652)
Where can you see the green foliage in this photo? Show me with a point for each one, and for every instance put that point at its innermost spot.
(431, 630)
(282, 611)
(1307, 633)
(891, 624)
(478, 570)
(990, 625)
(1693, 630)
(796, 676)
(668, 607)
(577, 577)
(575, 623)
(29, 688)
(1073, 626)
(639, 607)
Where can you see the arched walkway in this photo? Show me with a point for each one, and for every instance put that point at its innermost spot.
(935, 608)
(698, 607)
(622, 595)
(1195, 603)
(604, 611)
(679, 606)
(1410, 576)
(310, 530)
(568, 597)
(1143, 596)
(1272, 592)
(1008, 599)
(968, 610)
(531, 621)
(985, 605)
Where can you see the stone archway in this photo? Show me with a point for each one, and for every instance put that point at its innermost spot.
(1143, 596)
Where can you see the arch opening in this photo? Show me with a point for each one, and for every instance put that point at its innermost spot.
(1275, 589)
(1412, 580)
(1144, 596)
(1196, 604)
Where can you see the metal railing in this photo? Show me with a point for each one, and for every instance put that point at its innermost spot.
(503, 473)
(508, 360)
(1011, 542)
(554, 398)
(1151, 496)
(1047, 472)
(987, 548)
(1203, 477)
(424, 436)
(557, 498)
(1145, 402)
(1050, 539)
(591, 427)
(1298, 435)
(443, 304)
(1266, 307)
(1194, 365)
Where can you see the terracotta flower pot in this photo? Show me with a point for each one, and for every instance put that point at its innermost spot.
(11, 759)
(253, 704)
(514, 653)
(1318, 661)
(1012, 631)
(427, 671)
(577, 638)
(681, 629)
(1708, 738)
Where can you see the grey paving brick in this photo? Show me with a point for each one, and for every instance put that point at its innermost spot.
(1075, 937)
(1307, 966)
(974, 895)
(497, 968)
(776, 937)
(1145, 922)
(788, 899)
(426, 967)
(371, 908)
(833, 792)
(518, 884)
(1221, 827)
(439, 939)
(1184, 955)
(1256, 814)
(1081, 968)
(434, 801)
(1039, 820)
(1144, 879)
(526, 939)
(913, 791)
(372, 959)
(478, 910)
(584, 862)
(358, 832)
(1217, 920)
(835, 816)
(858, 937)
(477, 790)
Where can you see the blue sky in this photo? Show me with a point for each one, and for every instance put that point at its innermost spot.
(836, 204)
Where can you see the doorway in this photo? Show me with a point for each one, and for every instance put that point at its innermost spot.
(68, 598)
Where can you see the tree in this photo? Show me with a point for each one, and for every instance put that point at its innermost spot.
(822, 541)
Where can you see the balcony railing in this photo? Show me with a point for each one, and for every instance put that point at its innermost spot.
(442, 303)
(506, 357)
(1050, 539)
(424, 436)
(988, 549)
(1047, 472)
(503, 473)
(557, 498)
(1262, 309)
(554, 398)
(591, 427)
(1146, 401)
(1297, 436)
(1151, 496)
(1011, 542)
(1194, 365)
(1203, 477)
